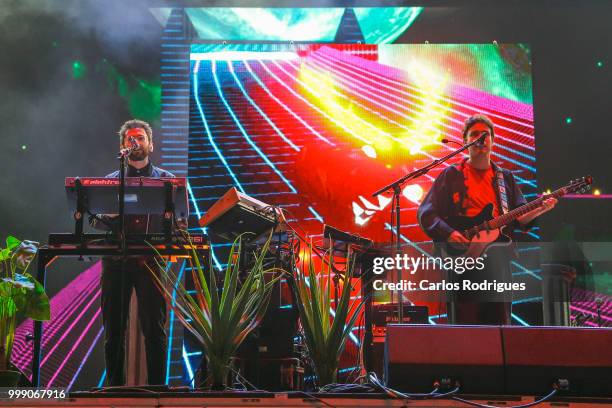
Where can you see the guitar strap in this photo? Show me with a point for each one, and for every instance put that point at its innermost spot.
(500, 185)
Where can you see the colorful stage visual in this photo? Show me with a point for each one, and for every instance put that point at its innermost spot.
(317, 129)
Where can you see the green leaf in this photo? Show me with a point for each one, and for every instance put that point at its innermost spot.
(12, 242)
(37, 305)
(20, 297)
(5, 254)
(7, 308)
(5, 288)
(24, 254)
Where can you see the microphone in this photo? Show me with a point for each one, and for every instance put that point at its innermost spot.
(133, 142)
(126, 151)
(479, 143)
(445, 140)
(481, 140)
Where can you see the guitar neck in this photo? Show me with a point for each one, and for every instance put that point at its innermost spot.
(511, 216)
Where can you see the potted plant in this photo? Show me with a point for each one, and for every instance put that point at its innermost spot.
(325, 327)
(20, 296)
(219, 315)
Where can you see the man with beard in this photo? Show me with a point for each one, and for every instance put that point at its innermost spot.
(121, 276)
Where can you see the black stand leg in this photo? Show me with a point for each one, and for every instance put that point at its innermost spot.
(168, 213)
(398, 246)
(366, 295)
(80, 209)
(41, 270)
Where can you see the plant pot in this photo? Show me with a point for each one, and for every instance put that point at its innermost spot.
(218, 373)
(212, 375)
(9, 378)
(326, 374)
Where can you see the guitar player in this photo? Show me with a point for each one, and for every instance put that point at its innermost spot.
(465, 189)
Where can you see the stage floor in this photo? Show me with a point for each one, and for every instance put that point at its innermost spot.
(288, 400)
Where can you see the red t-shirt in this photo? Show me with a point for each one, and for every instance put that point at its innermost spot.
(480, 190)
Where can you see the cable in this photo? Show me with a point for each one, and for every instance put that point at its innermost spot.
(309, 395)
(434, 394)
(100, 217)
(446, 394)
(536, 402)
(349, 388)
(373, 378)
(123, 388)
(248, 383)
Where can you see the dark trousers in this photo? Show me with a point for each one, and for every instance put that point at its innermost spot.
(486, 308)
(117, 286)
(481, 313)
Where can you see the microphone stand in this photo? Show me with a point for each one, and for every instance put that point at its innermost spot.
(396, 187)
(123, 153)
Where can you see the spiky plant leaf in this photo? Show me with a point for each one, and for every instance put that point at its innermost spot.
(220, 321)
(325, 340)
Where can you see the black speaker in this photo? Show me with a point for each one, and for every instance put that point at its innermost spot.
(417, 355)
(538, 356)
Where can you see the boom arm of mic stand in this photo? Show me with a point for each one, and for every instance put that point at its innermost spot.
(425, 169)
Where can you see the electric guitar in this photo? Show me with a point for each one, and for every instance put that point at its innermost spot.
(483, 230)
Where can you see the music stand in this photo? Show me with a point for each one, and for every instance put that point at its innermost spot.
(143, 195)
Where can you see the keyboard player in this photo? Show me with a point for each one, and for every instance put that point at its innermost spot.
(119, 278)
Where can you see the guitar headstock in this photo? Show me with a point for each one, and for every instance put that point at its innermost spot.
(580, 185)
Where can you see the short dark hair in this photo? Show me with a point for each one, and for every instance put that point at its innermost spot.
(474, 119)
(135, 124)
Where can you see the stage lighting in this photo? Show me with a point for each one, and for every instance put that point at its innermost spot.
(414, 193)
(369, 151)
(78, 70)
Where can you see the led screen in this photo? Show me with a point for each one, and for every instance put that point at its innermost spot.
(316, 129)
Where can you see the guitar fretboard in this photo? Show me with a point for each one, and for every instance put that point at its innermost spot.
(510, 216)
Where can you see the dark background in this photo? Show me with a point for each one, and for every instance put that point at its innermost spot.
(72, 71)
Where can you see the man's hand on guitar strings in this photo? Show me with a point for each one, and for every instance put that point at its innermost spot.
(547, 205)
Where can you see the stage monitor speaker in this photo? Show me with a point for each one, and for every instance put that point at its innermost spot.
(417, 355)
(537, 356)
